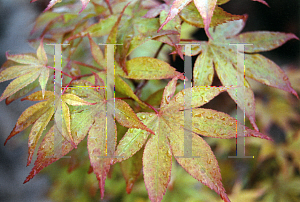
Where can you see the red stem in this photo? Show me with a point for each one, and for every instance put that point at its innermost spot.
(62, 72)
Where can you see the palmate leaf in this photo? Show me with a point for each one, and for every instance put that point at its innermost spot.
(137, 68)
(32, 68)
(134, 32)
(97, 139)
(168, 125)
(40, 114)
(90, 118)
(205, 7)
(219, 54)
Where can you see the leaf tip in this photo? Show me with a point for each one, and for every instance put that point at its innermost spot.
(225, 197)
(129, 185)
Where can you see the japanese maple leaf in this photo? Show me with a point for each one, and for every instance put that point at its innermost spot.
(219, 54)
(137, 68)
(190, 15)
(53, 2)
(205, 7)
(41, 113)
(169, 127)
(131, 32)
(32, 68)
(89, 119)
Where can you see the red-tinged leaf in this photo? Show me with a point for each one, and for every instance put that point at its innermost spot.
(97, 148)
(38, 96)
(149, 68)
(203, 167)
(153, 12)
(226, 30)
(134, 139)
(97, 53)
(99, 82)
(43, 21)
(43, 79)
(177, 6)
(28, 117)
(122, 87)
(262, 69)
(131, 169)
(81, 123)
(262, 40)
(126, 116)
(19, 83)
(102, 28)
(211, 123)
(263, 2)
(41, 54)
(191, 15)
(112, 39)
(174, 25)
(66, 122)
(203, 68)
(16, 71)
(169, 91)
(74, 100)
(84, 4)
(200, 96)
(157, 165)
(36, 132)
(146, 30)
(51, 4)
(27, 59)
(22, 92)
(47, 155)
(206, 9)
(228, 76)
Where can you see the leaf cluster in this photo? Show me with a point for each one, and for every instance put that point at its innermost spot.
(144, 133)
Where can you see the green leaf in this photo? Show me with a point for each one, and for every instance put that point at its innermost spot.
(25, 74)
(126, 116)
(211, 123)
(191, 15)
(131, 169)
(29, 116)
(18, 84)
(122, 87)
(36, 132)
(149, 68)
(27, 59)
(97, 147)
(134, 139)
(22, 92)
(46, 154)
(203, 68)
(203, 167)
(157, 165)
(220, 54)
(262, 40)
(97, 53)
(41, 54)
